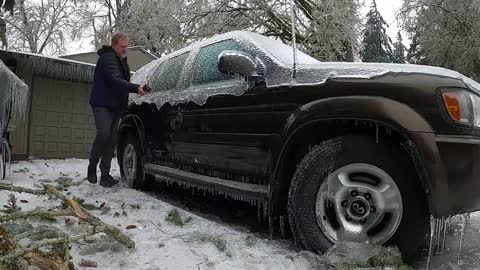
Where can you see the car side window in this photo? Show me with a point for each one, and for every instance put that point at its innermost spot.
(168, 73)
(206, 69)
(155, 80)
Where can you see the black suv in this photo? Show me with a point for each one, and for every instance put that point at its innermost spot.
(340, 151)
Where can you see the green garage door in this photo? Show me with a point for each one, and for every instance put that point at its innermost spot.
(62, 124)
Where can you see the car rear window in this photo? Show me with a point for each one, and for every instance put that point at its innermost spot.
(168, 73)
(206, 69)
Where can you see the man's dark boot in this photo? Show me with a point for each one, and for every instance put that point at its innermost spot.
(107, 181)
(92, 172)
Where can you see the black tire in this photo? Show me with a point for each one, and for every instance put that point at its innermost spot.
(138, 181)
(339, 152)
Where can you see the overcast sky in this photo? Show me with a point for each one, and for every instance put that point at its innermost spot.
(387, 8)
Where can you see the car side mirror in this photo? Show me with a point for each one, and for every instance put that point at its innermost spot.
(237, 62)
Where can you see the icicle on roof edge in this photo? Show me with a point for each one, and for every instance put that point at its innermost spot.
(13, 97)
(53, 67)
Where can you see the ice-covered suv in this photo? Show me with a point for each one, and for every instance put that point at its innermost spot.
(339, 151)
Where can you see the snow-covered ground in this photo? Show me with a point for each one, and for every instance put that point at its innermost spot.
(200, 244)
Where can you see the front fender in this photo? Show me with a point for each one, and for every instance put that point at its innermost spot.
(381, 110)
(133, 123)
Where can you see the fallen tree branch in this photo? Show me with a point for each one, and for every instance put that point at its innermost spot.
(53, 191)
(77, 209)
(53, 260)
(84, 215)
(47, 261)
(37, 213)
(20, 252)
(17, 189)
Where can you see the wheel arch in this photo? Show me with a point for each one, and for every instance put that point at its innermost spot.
(132, 123)
(372, 116)
(132, 126)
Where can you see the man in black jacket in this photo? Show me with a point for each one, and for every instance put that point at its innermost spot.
(109, 100)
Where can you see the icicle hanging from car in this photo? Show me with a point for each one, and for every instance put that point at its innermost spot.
(13, 105)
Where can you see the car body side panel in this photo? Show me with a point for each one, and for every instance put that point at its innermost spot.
(244, 132)
(230, 134)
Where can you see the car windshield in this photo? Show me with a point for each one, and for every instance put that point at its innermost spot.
(282, 52)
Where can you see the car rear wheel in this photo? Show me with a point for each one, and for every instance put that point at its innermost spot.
(131, 162)
(355, 189)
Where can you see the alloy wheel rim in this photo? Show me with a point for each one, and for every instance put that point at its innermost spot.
(129, 164)
(360, 203)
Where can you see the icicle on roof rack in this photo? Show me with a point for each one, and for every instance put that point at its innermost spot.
(52, 67)
(13, 98)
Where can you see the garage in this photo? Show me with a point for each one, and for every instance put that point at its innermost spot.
(61, 124)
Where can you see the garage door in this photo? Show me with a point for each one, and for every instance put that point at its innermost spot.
(62, 124)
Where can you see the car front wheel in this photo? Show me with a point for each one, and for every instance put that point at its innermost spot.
(356, 189)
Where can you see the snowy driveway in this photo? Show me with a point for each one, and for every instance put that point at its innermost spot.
(199, 244)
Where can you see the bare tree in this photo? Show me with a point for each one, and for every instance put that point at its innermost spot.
(326, 29)
(43, 27)
(101, 18)
(117, 11)
(95, 23)
(5, 6)
(163, 26)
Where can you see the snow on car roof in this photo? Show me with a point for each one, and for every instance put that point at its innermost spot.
(279, 63)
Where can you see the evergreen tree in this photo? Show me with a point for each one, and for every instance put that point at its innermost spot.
(376, 43)
(444, 33)
(415, 54)
(399, 50)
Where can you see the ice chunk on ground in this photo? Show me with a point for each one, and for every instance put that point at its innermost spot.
(351, 255)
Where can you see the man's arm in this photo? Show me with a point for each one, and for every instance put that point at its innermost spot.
(113, 75)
